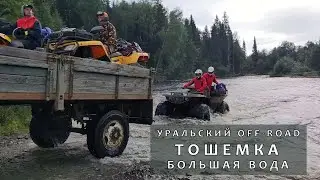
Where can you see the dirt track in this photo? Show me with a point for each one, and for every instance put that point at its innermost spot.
(21, 159)
(256, 100)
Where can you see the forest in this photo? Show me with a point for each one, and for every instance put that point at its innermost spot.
(176, 45)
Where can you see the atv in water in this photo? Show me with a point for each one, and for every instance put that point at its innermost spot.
(193, 104)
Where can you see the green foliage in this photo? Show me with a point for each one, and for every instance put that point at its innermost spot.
(222, 71)
(286, 59)
(14, 119)
(315, 58)
(79, 13)
(11, 10)
(255, 55)
(300, 69)
(284, 66)
(311, 74)
(177, 47)
(48, 14)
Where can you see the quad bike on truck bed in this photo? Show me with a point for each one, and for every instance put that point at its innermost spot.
(80, 43)
(192, 104)
(103, 97)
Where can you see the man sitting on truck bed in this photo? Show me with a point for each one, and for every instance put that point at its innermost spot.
(27, 29)
(199, 82)
(108, 35)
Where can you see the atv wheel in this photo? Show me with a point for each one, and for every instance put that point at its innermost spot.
(49, 130)
(109, 137)
(163, 109)
(223, 108)
(201, 111)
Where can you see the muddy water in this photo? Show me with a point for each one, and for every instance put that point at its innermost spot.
(254, 100)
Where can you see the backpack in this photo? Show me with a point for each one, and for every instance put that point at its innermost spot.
(221, 88)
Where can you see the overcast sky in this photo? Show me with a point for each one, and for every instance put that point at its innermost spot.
(271, 21)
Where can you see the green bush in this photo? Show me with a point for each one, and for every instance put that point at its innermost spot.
(283, 67)
(262, 66)
(14, 119)
(222, 71)
(311, 74)
(299, 69)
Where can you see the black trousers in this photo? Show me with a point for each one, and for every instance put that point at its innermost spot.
(26, 44)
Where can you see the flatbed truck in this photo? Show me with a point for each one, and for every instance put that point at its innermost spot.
(103, 97)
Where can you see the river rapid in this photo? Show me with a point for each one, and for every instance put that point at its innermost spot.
(252, 100)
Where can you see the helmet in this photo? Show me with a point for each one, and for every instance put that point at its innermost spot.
(210, 69)
(198, 72)
(104, 14)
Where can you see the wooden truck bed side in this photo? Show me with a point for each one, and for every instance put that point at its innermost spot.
(34, 75)
(97, 95)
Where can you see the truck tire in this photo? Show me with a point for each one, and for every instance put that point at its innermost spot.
(164, 109)
(91, 126)
(49, 130)
(110, 135)
(200, 111)
(223, 108)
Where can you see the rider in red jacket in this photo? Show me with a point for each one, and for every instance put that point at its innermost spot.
(210, 77)
(199, 82)
(27, 29)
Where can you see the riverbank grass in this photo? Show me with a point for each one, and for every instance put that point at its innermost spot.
(14, 119)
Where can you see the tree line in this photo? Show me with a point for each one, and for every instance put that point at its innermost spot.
(176, 45)
(286, 59)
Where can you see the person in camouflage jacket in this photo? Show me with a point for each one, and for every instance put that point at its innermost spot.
(108, 35)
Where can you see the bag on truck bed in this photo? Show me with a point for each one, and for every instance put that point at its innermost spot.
(71, 34)
(126, 48)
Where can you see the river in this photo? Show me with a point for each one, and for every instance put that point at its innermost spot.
(252, 100)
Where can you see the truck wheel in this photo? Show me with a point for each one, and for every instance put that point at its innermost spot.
(110, 135)
(49, 130)
(201, 111)
(223, 108)
(164, 109)
(91, 126)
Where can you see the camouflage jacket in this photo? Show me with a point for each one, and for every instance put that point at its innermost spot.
(108, 35)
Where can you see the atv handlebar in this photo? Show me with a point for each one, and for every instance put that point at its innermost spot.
(18, 33)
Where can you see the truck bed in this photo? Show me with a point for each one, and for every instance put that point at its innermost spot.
(27, 75)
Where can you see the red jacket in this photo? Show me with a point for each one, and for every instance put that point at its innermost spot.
(210, 78)
(199, 84)
(26, 22)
